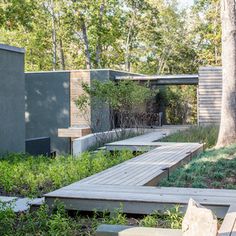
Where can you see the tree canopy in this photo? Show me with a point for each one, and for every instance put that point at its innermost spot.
(146, 36)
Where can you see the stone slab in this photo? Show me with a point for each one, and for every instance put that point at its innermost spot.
(120, 230)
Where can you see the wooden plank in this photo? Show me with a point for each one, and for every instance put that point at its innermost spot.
(74, 132)
(93, 194)
(210, 87)
(210, 68)
(154, 190)
(205, 94)
(209, 102)
(137, 202)
(132, 207)
(147, 166)
(210, 110)
(228, 226)
(233, 233)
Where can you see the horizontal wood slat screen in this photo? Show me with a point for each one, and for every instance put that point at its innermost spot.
(209, 95)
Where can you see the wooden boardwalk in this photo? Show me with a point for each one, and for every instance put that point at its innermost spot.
(147, 168)
(139, 199)
(132, 184)
(144, 170)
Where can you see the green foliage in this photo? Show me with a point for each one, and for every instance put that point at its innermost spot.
(171, 218)
(207, 31)
(123, 98)
(174, 217)
(120, 96)
(149, 221)
(148, 36)
(200, 134)
(33, 176)
(7, 218)
(215, 168)
(60, 223)
(180, 104)
(39, 222)
(16, 13)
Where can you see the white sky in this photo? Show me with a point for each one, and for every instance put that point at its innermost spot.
(186, 3)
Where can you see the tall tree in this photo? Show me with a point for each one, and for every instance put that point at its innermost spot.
(206, 24)
(227, 134)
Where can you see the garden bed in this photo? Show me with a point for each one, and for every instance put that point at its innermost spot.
(24, 175)
(196, 134)
(59, 222)
(214, 168)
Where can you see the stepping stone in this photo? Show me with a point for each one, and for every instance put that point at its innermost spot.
(22, 204)
(121, 230)
(7, 199)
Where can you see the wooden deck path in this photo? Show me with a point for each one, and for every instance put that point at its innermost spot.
(146, 141)
(140, 199)
(148, 168)
(144, 170)
(131, 185)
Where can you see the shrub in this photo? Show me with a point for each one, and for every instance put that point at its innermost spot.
(25, 175)
(58, 222)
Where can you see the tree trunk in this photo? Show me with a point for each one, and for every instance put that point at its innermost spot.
(54, 37)
(129, 43)
(86, 44)
(227, 134)
(62, 57)
(99, 45)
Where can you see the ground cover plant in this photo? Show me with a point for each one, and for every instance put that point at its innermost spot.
(24, 175)
(215, 168)
(200, 134)
(60, 223)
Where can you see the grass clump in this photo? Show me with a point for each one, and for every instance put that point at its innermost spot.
(24, 175)
(169, 219)
(200, 134)
(215, 168)
(60, 223)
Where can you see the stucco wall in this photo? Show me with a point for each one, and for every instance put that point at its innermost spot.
(12, 103)
(48, 107)
(50, 104)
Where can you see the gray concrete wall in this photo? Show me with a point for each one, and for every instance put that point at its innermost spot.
(12, 103)
(48, 107)
(48, 104)
(114, 73)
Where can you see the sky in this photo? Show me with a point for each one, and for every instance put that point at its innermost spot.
(186, 3)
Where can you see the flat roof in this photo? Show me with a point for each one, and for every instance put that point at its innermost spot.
(83, 70)
(11, 48)
(164, 79)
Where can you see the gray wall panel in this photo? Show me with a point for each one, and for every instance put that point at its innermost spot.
(12, 103)
(47, 107)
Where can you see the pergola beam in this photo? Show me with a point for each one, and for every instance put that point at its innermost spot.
(164, 79)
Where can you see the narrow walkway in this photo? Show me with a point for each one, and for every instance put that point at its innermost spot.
(144, 170)
(131, 185)
(148, 140)
(148, 168)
